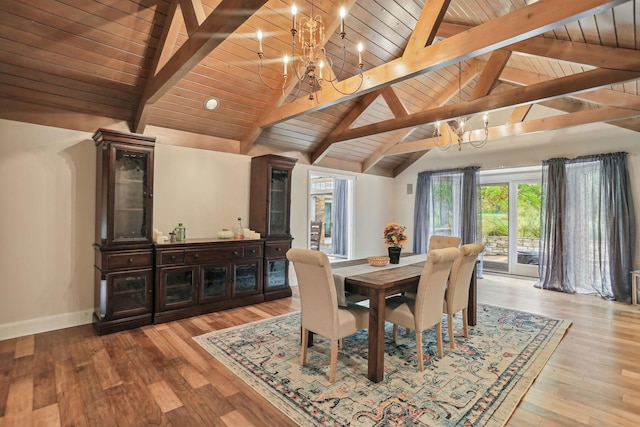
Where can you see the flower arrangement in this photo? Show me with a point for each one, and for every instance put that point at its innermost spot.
(394, 235)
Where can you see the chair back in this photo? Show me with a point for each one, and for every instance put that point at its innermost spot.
(457, 295)
(441, 242)
(431, 287)
(318, 298)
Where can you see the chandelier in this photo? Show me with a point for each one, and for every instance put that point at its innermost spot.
(308, 61)
(458, 126)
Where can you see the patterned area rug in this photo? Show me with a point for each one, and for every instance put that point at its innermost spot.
(478, 384)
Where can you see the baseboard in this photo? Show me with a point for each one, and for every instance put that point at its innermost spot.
(44, 324)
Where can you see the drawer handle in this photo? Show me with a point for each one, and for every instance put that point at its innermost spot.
(130, 260)
(278, 249)
(235, 252)
(253, 251)
(197, 255)
(173, 257)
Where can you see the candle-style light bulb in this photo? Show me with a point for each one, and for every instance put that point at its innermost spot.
(485, 119)
(360, 54)
(294, 10)
(343, 13)
(259, 41)
(285, 61)
(320, 65)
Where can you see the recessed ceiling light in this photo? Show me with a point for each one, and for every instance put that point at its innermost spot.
(210, 104)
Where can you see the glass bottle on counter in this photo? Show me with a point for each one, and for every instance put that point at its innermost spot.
(238, 232)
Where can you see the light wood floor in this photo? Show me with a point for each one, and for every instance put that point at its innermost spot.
(157, 375)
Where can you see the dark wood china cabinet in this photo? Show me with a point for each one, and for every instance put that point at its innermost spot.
(123, 234)
(269, 215)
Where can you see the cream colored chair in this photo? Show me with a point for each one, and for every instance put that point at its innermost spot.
(457, 294)
(425, 310)
(319, 312)
(441, 242)
(438, 242)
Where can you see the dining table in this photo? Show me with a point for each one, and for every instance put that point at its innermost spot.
(379, 283)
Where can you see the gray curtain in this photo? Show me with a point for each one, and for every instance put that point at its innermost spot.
(588, 226)
(446, 204)
(340, 214)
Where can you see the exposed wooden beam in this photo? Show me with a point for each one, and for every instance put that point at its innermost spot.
(579, 53)
(491, 73)
(166, 44)
(427, 26)
(222, 22)
(561, 121)
(395, 104)
(519, 113)
(606, 97)
(516, 26)
(193, 15)
(347, 121)
(588, 80)
(414, 157)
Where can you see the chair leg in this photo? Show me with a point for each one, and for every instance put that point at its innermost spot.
(465, 322)
(395, 332)
(419, 350)
(334, 361)
(303, 351)
(452, 341)
(439, 340)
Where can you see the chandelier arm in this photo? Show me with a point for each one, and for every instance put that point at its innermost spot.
(444, 147)
(348, 93)
(283, 87)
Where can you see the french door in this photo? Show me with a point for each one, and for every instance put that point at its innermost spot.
(511, 223)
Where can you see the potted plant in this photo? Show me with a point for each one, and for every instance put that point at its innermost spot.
(394, 238)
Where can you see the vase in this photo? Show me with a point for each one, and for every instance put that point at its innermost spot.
(394, 255)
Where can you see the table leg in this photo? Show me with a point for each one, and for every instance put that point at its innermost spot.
(377, 304)
(473, 299)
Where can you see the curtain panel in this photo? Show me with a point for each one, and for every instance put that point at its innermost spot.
(340, 213)
(587, 241)
(446, 204)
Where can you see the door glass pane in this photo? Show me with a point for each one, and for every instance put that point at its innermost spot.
(528, 208)
(276, 270)
(214, 282)
(245, 278)
(129, 293)
(495, 226)
(179, 286)
(278, 201)
(130, 216)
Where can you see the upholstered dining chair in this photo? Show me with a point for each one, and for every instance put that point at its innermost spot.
(441, 242)
(319, 311)
(425, 310)
(438, 242)
(457, 294)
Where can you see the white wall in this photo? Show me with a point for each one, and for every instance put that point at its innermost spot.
(526, 151)
(47, 194)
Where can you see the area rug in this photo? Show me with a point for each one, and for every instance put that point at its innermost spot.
(478, 384)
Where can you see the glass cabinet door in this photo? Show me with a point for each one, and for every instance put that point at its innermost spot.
(276, 273)
(246, 278)
(130, 194)
(129, 293)
(214, 281)
(177, 287)
(278, 206)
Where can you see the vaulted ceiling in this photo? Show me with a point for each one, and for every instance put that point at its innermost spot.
(84, 64)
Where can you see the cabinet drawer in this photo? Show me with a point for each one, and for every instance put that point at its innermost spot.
(172, 257)
(127, 260)
(277, 249)
(253, 251)
(217, 254)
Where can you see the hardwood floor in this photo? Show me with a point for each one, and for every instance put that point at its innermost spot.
(157, 375)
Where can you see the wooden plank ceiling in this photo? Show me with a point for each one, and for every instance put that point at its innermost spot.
(81, 64)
